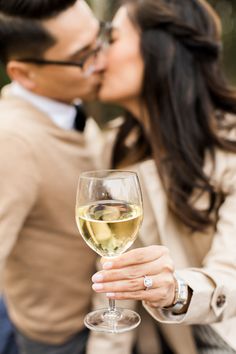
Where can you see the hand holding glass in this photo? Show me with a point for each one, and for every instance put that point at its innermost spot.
(109, 214)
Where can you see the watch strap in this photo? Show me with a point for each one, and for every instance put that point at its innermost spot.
(181, 295)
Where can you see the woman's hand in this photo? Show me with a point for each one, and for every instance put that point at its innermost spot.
(122, 278)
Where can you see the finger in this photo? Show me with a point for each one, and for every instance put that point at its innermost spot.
(131, 272)
(161, 293)
(157, 297)
(158, 266)
(135, 284)
(136, 256)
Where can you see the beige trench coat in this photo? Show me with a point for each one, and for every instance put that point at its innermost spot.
(207, 262)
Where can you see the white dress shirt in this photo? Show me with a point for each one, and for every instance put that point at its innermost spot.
(61, 114)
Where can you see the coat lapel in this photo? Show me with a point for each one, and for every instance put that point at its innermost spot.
(152, 184)
(168, 236)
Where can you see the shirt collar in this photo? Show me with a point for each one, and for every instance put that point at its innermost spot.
(62, 114)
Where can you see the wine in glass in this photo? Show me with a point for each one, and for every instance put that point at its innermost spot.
(109, 214)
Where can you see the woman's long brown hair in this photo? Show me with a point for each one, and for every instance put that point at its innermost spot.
(186, 96)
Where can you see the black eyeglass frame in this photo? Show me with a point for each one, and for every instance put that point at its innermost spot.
(105, 28)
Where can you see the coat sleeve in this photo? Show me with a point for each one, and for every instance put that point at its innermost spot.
(18, 191)
(214, 284)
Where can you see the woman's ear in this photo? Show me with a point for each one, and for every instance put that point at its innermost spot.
(22, 73)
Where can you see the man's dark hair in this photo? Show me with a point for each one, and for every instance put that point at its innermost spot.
(21, 30)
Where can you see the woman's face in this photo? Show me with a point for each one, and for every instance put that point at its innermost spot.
(122, 63)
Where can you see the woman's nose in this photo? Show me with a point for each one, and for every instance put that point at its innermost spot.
(101, 61)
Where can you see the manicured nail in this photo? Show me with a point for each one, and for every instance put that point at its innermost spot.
(97, 286)
(96, 278)
(107, 265)
(110, 294)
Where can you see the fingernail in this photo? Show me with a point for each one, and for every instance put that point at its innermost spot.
(97, 286)
(96, 278)
(110, 294)
(107, 265)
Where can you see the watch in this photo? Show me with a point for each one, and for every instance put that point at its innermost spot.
(181, 295)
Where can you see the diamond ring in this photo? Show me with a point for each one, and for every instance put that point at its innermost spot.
(147, 282)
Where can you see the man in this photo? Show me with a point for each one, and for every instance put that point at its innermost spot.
(48, 49)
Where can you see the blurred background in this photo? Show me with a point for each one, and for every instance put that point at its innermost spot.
(104, 9)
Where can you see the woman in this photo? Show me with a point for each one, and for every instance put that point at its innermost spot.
(163, 66)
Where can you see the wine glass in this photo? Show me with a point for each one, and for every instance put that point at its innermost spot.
(109, 213)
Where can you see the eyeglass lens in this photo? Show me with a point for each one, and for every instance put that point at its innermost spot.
(103, 40)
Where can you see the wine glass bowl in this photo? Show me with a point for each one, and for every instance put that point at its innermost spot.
(109, 214)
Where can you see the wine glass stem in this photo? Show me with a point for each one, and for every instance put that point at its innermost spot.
(112, 315)
(112, 305)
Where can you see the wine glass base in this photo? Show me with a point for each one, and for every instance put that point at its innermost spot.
(118, 321)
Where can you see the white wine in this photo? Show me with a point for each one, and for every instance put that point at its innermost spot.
(109, 227)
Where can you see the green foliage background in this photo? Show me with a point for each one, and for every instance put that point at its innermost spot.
(104, 9)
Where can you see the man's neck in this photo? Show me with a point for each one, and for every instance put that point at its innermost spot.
(61, 114)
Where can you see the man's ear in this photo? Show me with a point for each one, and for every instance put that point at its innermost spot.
(22, 73)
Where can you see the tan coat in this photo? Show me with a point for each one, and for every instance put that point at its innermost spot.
(207, 261)
(46, 265)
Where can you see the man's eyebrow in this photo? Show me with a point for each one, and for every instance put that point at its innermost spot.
(80, 51)
(84, 49)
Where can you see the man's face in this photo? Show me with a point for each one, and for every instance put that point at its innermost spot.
(76, 30)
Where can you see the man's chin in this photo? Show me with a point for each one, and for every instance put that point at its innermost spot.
(91, 95)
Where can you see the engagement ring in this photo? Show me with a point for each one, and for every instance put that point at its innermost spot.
(147, 282)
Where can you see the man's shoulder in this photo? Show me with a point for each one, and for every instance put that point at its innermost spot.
(13, 107)
(17, 116)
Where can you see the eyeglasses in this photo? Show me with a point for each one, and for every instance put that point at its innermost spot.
(103, 39)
